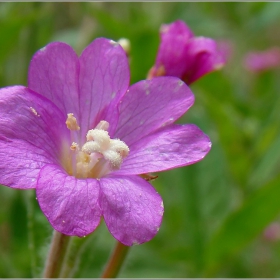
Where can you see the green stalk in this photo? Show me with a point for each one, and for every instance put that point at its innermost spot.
(29, 196)
(57, 253)
(76, 249)
(116, 261)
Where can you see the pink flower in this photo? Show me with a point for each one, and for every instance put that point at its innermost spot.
(262, 61)
(272, 232)
(184, 56)
(81, 136)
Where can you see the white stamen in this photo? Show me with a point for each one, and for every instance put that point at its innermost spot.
(100, 154)
(99, 141)
(114, 157)
(99, 136)
(103, 125)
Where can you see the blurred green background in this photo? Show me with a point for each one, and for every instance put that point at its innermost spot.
(216, 211)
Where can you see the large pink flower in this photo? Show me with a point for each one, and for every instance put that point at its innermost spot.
(80, 136)
(185, 56)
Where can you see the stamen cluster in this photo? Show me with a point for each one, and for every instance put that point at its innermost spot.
(100, 154)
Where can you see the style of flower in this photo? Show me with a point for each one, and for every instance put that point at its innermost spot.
(80, 136)
(182, 55)
(262, 60)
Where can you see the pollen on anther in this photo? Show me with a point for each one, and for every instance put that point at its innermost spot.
(71, 122)
(74, 147)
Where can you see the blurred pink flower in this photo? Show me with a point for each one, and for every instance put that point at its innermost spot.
(272, 232)
(182, 55)
(87, 167)
(226, 49)
(262, 61)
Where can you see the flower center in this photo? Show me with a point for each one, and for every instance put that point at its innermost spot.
(99, 155)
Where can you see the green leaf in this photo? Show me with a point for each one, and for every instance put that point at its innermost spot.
(243, 226)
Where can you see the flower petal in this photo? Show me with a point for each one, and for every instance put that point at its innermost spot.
(132, 209)
(70, 204)
(174, 37)
(32, 134)
(202, 56)
(104, 78)
(53, 72)
(174, 146)
(262, 60)
(152, 104)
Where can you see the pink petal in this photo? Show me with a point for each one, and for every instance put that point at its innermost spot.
(70, 204)
(53, 72)
(174, 37)
(262, 60)
(32, 134)
(171, 147)
(152, 104)
(176, 28)
(132, 209)
(202, 56)
(104, 78)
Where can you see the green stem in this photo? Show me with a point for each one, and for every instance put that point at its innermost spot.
(57, 253)
(76, 249)
(116, 261)
(30, 225)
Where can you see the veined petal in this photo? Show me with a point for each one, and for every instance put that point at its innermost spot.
(174, 146)
(202, 56)
(32, 134)
(70, 204)
(53, 73)
(132, 209)
(150, 105)
(104, 78)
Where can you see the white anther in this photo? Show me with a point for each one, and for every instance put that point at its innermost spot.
(120, 147)
(91, 147)
(100, 136)
(113, 157)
